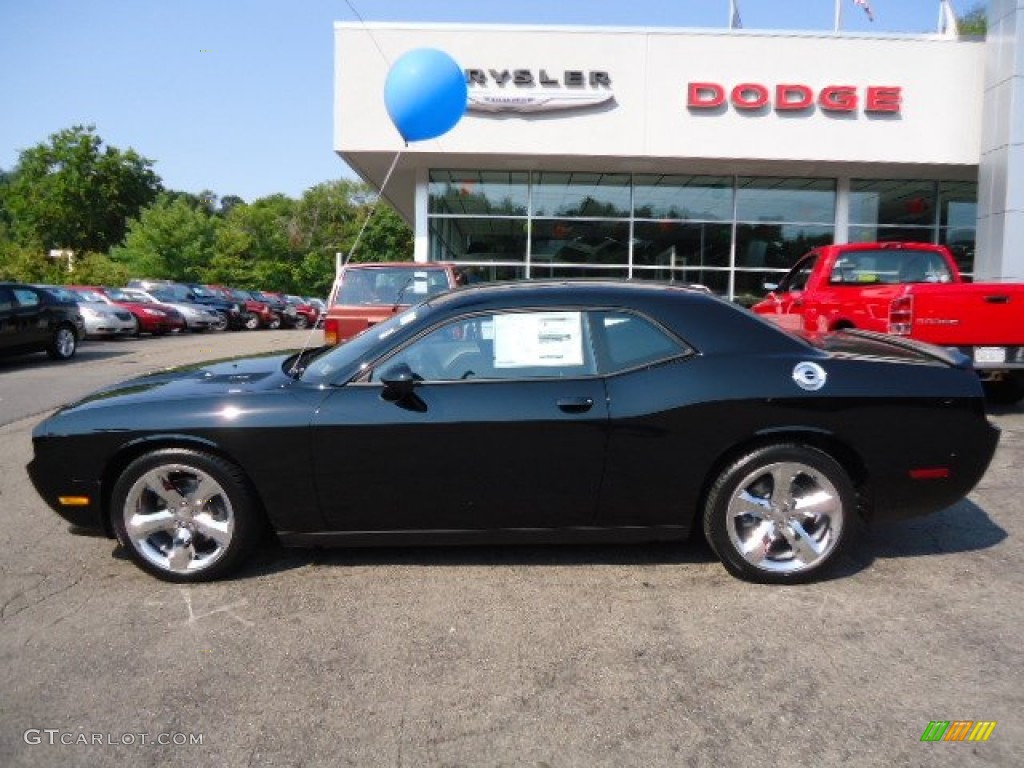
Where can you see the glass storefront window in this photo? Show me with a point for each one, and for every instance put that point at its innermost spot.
(672, 244)
(777, 246)
(810, 201)
(479, 239)
(898, 202)
(715, 279)
(677, 228)
(479, 192)
(577, 241)
(590, 195)
(700, 198)
(892, 234)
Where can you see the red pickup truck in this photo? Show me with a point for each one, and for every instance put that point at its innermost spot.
(907, 289)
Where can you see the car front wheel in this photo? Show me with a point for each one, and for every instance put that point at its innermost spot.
(252, 322)
(781, 514)
(184, 515)
(63, 344)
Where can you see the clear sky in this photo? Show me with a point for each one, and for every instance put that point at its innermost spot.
(235, 96)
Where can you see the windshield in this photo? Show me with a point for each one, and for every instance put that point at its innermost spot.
(118, 295)
(387, 286)
(348, 359)
(94, 296)
(203, 293)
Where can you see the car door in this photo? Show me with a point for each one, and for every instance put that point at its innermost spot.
(505, 429)
(8, 328)
(30, 318)
(787, 309)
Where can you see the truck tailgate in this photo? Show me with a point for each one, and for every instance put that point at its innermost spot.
(969, 314)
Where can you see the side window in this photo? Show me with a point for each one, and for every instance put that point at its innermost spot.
(630, 341)
(501, 346)
(6, 299)
(26, 298)
(797, 278)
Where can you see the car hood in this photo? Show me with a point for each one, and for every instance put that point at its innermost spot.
(232, 376)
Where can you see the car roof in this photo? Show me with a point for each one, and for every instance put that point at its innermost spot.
(389, 264)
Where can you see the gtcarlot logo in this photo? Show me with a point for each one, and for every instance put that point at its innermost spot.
(958, 730)
(55, 736)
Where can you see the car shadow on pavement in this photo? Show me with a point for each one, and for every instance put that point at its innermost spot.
(964, 527)
(273, 557)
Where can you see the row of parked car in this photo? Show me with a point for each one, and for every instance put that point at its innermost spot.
(55, 318)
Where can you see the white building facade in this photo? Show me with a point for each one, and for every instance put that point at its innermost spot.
(713, 157)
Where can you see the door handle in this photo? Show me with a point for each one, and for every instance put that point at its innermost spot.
(575, 404)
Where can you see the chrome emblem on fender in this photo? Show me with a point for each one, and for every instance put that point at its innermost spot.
(809, 376)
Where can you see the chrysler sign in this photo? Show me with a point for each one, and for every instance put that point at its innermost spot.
(527, 90)
(795, 97)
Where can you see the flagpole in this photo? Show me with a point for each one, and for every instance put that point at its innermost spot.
(838, 17)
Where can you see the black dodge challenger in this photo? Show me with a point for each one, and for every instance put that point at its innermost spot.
(528, 412)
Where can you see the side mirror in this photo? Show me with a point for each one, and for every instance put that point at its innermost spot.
(399, 380)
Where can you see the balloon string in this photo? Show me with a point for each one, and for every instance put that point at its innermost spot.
(369, 216)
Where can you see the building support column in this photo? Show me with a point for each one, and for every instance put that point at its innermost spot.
(1000, 237)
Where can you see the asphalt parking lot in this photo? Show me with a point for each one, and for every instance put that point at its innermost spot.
(557, 656)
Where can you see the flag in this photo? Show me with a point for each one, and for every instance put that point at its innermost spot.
(735, 22)
(947, 19)
(867, 8)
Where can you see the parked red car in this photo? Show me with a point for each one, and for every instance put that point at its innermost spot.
(258, 314)
(157, 319)
(305, 314)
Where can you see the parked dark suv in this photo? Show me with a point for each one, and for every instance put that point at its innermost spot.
(35, 320)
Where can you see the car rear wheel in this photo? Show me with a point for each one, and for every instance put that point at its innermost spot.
(300, 322)
(252, 322)
(63, 344)
(275, 323)
(781, 514)
(184, 516)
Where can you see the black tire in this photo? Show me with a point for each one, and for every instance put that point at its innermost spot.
(1008, 391)
(251, 322)
(275, 323)
(169, 532)
(63, 344)
(301, 322)
(222, 322)
(757, 529)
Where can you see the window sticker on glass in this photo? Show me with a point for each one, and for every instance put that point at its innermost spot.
(538, 339)
(419, 283)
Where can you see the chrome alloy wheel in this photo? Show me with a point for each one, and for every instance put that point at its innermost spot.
(784, 517)
(178, 518)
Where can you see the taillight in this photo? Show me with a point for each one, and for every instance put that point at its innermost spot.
(901, 315)
(331, 330)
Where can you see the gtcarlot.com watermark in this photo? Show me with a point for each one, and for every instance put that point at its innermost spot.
(55, 736)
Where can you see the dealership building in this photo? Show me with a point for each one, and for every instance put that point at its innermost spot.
(701, 156)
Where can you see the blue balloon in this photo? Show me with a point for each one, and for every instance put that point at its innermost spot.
(425, 94)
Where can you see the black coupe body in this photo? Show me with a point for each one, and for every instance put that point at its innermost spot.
(528, 412)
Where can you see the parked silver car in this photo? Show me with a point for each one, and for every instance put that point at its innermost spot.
(197, 317)
(102, 320)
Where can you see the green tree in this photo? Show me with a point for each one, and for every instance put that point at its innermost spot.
(974, 22)
(73, 192)
(173, 238)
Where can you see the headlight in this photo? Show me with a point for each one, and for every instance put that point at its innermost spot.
(153, 312)
(91, 312)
